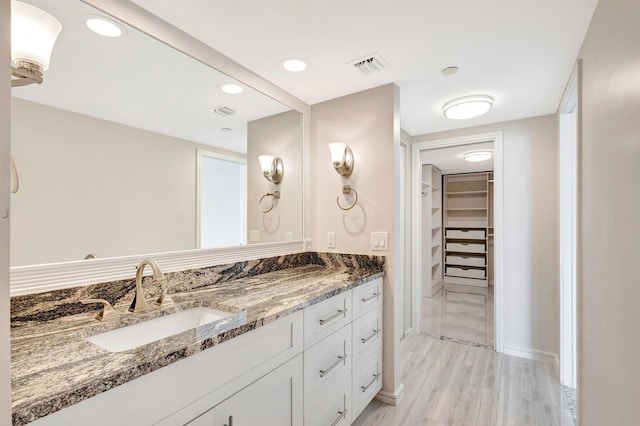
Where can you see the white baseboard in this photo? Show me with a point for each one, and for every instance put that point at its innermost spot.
(529, 353)
(389, 397)
(408, 332)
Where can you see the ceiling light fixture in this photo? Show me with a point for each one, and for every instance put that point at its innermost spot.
(450, 70)
(231, 88)
(467, 107)
(103, 26)
(294, 64)
(33, 34)
(476, 156)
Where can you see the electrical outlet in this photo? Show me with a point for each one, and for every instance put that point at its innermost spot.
(331, 240)
(288, 236)
(254, 237)
(380, 241)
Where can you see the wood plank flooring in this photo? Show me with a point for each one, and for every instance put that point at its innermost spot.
(448, 383)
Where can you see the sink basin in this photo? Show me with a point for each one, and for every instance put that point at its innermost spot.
(133, 336)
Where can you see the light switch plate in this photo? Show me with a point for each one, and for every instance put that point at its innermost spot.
(380, 241)
(331, 240)
(254, 237)
(288, 236)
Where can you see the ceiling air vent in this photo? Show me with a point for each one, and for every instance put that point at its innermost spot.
(224, 111)
(370, 64)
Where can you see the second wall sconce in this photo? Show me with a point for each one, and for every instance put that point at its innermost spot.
(272, 168)
(342, 158)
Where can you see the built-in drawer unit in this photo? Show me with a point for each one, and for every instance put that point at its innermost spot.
(367, 335)
(334, 410)
(466, 234)
(464, 260)
(326, 365)
(367, 382)
(366, 297)
(464, 247)
(467, 272)
(322, 319)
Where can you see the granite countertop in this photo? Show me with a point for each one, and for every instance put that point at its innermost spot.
(52, 366)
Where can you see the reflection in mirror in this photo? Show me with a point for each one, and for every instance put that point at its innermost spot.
(107, 150)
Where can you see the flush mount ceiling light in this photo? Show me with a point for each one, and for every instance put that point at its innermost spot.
(33, 34)
(103, 26)
(467, 107)
(450, 70)
(294, 64)
(231, 88)
(476, 156)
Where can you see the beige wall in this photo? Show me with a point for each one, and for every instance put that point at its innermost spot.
(98, 186)
(609, 294)
(5, 138)
(367, 122)
(531, 230)
(281, 136)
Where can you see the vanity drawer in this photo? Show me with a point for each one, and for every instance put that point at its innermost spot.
(367, 335)
(335, 409)
(366, 297)
(367, 382)
(480, 273)
(458, 259)
(322, 319)
(326, 365)
(463, 247)
(466, 234)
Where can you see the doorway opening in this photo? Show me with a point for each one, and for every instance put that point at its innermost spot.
(457, 231)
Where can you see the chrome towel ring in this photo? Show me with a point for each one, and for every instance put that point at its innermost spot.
(275, 195)
(347, 189)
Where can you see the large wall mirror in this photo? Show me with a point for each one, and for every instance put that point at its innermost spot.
(131, 147)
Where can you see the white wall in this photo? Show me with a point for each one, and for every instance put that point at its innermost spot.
(609, 293)
(281, 136)
(531, 276)
(367, 122)
(5, 143)
(98, 186)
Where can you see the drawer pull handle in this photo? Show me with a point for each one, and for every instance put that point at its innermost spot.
(230, 421)
(340, 359)
(465, 244)
(373, 296)
(464, 230)
(374, 334)
(368, 385)
(334, 316)
(343, 415)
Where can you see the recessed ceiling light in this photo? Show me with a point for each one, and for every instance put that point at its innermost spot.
(450, 70)
(232, 88)
(104, 26)
(294, 64)
(467, 107)
(226, 129)
(476, 156)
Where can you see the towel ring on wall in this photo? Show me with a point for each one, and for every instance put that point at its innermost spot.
(14, 176)
(347, 189)
(275, 195)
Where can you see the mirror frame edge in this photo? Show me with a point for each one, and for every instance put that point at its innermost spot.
(52, 276)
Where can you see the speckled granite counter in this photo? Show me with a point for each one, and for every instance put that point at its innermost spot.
(52, 366)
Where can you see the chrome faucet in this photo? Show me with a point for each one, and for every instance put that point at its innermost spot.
(139, 304)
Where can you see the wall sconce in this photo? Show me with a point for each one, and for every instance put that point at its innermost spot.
(342, 158)
(33, 34)
(272, 168)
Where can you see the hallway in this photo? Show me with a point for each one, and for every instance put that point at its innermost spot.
(448, 383)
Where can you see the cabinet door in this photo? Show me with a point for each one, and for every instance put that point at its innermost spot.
(274, 400)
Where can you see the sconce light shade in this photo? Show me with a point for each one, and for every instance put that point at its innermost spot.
(33, 34)
(342, 158)
(272, 168)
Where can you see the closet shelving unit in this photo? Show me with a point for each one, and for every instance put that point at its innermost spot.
(467, 215)
(432, 260)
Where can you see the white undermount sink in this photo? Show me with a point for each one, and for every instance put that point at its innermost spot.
(132, 336)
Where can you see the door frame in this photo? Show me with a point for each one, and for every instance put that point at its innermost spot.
(498, 219)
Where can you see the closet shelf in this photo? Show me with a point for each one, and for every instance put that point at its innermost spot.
(466, 208)
(466, 192)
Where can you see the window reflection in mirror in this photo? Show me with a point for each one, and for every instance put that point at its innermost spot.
(106, 148)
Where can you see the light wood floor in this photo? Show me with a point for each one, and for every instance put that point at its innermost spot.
(449, 383)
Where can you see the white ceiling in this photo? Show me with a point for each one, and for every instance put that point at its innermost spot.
(521, 52)
(450, 160)
(137, 81)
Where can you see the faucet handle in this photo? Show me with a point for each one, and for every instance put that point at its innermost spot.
(163, 299)
(107, 310)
